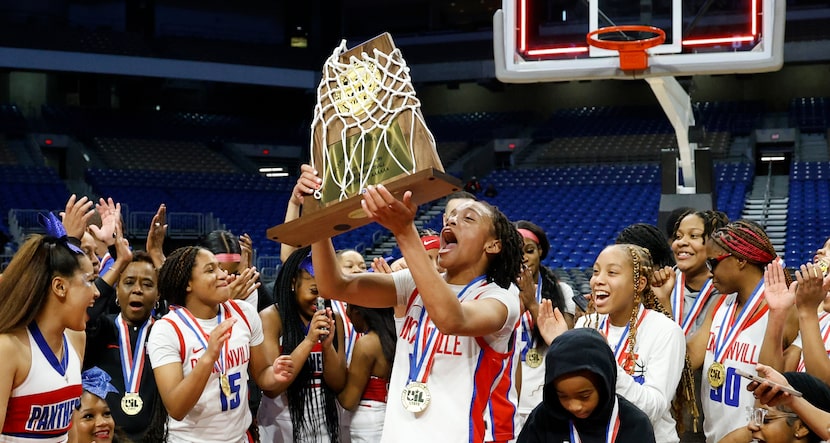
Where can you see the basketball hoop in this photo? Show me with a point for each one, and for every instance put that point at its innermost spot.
(633, 56)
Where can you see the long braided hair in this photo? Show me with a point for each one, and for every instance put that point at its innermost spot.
(649, 237)
(746, 240)
(712, 221)
(174, 276)
(643, 267)
(300, 396)
(505, 267)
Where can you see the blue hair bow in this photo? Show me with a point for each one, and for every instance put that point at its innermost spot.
(307, 266)
(97, 382)
(54, 228)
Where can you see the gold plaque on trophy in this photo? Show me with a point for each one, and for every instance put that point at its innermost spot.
(367, 129)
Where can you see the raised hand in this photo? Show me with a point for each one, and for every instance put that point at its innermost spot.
(244, 284)
(379, 265)
(810, 292)
(328, 338)
(527, 290)
(662, 283)
(321, 324)
(393, 214)
(122, 249)
(110, 213)
(75, 216)
(283, 369)
(307, 183)
(550, 321)
(218, 336)
(156, 234)
(776, 292)
(247, 247)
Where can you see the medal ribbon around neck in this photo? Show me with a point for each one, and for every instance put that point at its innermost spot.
(605, 327)
(678, 300)
(132, 362)
(351, 333)
(190, 321)
(824, 332)
(723, 341)
(527, 322)
(610, 431)
(423, 350)
(60, 366)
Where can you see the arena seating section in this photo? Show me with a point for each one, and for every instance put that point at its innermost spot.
(588, 173)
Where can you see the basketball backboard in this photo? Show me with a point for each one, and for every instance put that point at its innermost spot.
(545, 40)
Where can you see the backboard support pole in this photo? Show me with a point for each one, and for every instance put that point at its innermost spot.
(677, 105)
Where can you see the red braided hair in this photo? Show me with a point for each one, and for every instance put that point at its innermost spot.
(746, 240)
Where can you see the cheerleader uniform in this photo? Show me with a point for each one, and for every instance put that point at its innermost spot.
(367, 419)
(41, 408)
(274, 417)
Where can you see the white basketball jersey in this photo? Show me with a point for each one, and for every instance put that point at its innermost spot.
(724, 408)
(215, 418)
(465, 372)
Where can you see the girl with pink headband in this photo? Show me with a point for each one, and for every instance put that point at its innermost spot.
(537, 283)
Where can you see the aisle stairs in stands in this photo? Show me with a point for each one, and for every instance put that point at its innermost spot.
(767, 205)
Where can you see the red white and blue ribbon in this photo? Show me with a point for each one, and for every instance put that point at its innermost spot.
(678, 301)
(728, 333)
(824, 332)
(60, 366)
(351, 334)
(527, 322)
(190, 321)
(132, 361)
(605, 326)
(423, 351)
(611, 430)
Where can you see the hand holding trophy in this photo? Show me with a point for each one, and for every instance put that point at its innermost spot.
(367, 130)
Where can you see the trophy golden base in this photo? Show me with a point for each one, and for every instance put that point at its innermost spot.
(426, 185)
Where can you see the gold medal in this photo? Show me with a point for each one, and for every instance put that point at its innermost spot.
(533, 358)
(823, 265)
(225, 384)
(415, 397)
(716, 375)
(131, 403)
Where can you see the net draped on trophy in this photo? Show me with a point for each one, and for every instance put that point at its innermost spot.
(367, 129)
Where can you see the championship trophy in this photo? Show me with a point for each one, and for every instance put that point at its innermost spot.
(367, 130)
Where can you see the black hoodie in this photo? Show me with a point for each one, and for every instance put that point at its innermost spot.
(584, 349)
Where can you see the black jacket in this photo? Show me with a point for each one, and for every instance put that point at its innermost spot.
(581, 350)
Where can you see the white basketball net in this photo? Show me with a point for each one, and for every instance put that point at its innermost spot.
(366, 93)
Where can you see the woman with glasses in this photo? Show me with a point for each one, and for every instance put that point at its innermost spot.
(783, 417)
(734, 335)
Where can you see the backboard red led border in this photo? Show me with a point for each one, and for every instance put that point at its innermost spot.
(518, 60)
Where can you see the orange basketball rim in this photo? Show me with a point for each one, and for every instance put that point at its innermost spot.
(633, 56)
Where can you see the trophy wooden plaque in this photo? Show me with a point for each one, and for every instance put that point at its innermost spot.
(367, 129)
